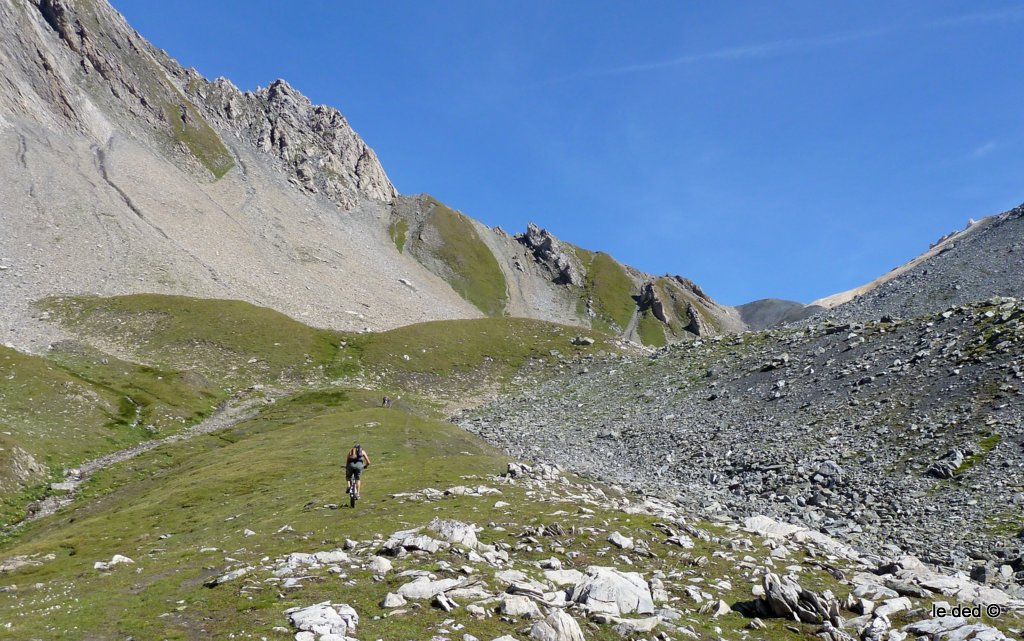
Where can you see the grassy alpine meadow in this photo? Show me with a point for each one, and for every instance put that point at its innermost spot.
(162, 509)
(181, 358)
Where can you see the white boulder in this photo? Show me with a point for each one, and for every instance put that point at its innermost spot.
(324, 619)
(558, 626)
(609, 591)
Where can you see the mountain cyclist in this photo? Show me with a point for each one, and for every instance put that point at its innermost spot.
(357, 461)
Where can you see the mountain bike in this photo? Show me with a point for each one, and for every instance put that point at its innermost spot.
(353, 495)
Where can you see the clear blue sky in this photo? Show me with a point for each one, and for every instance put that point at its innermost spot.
(764, 149)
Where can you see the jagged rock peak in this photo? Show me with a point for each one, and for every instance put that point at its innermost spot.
(548, 251)
(315, 142)
(80, 66)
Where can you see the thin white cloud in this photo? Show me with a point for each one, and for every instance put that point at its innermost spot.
(759, 50)
(780, 47)
(983, 17)
(983, 150)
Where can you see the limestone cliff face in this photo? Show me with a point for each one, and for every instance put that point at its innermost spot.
(314, 142)
(78, 66)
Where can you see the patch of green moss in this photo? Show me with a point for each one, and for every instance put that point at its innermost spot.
(985, 445)
(651, 330)
(1005, 523)
(190, 128)
(398, 231)
(473, 271)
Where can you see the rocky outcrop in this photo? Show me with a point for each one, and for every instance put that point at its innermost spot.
(783, 597)
(131, 85)
(548, 251)
(697, 324)
(314, 142)
(79, 66)
(649, 300)
(611, 591)
(20, 468)
(947, 466)
(324, 620)
(558, 626)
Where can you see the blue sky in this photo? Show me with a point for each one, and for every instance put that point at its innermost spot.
(782, 149)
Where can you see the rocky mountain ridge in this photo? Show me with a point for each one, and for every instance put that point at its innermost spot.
(981, 260)
(132, 174)
(127, 166)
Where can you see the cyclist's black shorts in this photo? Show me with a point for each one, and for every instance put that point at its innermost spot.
(353, 470)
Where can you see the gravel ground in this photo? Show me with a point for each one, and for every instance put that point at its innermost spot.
(837, 426)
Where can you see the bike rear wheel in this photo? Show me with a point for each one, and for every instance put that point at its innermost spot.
(352, 495)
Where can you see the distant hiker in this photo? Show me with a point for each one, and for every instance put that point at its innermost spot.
(386, 402)
(356, 462)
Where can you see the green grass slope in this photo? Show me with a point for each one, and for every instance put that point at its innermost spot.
(609, 289)
(78, 404)
(398, 231)
(651, 330)
(277, 470)
(191, 129)
(459, 357)
(474, 272)
(228, 341)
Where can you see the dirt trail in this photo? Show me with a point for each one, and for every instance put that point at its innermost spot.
(231, 413)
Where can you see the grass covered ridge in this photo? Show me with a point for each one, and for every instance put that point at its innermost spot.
(609, 289)
(452, 359)
(474, 271)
